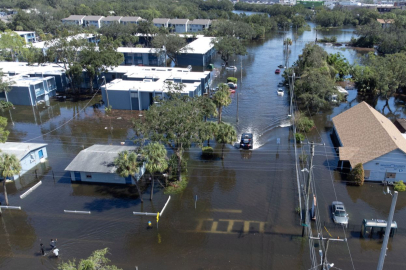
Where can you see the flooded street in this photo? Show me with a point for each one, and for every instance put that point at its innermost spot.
(245, 214)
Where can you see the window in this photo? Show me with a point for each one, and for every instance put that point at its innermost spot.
(88, 176)
(367, 173)
(390, 175)
(134, 94)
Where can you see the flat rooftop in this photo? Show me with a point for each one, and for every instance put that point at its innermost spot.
(199, 46)
(46, 44)
(157, 86)
(135, 50)
(24, 68)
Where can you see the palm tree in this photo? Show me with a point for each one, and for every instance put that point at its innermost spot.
(222, 98)
(127, 164)
(156, 160)
(225, 134)
(287, 42)
(9, 166)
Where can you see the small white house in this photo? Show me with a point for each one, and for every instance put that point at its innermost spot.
(93, 21)
(96, 164)
(366, 136)
(179, 25)
(129, 20)
(29, 154)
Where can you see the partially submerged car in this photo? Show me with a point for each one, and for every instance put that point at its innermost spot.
(247, 141)
(340, 216)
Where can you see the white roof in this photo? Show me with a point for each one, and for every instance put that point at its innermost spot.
(25, 32)
(157, 86)
(23, 68)
(134, 50)
(20, 149)
(45, 44)
(200, 46)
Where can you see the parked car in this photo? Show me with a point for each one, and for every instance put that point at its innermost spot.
(340, 216)
(247, 141)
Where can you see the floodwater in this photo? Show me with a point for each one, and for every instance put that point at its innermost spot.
(244, 216)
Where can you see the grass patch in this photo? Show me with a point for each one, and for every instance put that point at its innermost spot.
(176, 187)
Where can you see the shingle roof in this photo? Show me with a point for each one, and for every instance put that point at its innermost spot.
(111, 18)
(178, 21)
(74, 18)
(20, 149)
(97, 158)
(130, 19)
(92, 18)
(366, 134)
(160, 20)
(200, 21)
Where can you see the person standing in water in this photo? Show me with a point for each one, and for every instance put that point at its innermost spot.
(53, 243)
(42, 249)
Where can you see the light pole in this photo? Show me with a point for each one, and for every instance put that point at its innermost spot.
(107, 93)
(387, 232)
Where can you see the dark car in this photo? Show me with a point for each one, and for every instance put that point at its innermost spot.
(247, 141)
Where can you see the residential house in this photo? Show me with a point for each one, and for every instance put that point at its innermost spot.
(197, 53)
(198, 25)
(161, 22)
(29, 36)
(178, 25)
(96, 164)
(386, 22)
(110, 20)
(366, 136)
(74, 19)
(26, 90)
(129, 20)
(93, 21)
(29, 154)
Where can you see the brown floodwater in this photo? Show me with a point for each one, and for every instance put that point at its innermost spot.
(244, 216)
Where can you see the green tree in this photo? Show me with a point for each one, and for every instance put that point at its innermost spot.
(96, 60)
(9, 166)
(171, 45)
(124, 34)
(3, 131)
(174, 123)
(222, 99)
(128, 164)
(229, 46)
(11, 44)
(207, 131)
(339, 63)
(97, 261)
(156, 159)
(148, 29)
(356, 176)
(226, 134)
(208, 107)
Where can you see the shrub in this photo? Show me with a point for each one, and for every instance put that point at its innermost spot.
(356, 176)
(176, 187)
(303, 158)
(326, 39)
(207, 152)
(299, 137)
(400, 186)
(5, 105)
(232, 79)
(303, 123)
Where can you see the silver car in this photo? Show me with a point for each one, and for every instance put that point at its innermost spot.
(340, 216)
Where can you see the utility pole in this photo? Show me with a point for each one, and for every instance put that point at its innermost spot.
(324, 263)
(309, 181)
(387, 232)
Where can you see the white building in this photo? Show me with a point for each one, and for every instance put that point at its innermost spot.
(366, 136)
(179, 25)
(129, 20)
(29, 36)
(161, 22)
(198, 25)
(29, 154)
(74, 19)
(93, 21)
(110, 20)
